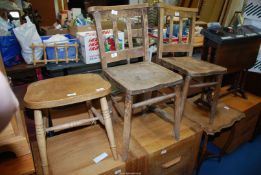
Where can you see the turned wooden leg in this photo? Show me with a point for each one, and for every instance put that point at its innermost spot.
(177, 115)
(215, 99)
(40, 136)
(108, 125)
(185, 90)
(127, 126)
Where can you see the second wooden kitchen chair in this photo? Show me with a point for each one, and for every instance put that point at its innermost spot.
(137, 78)
(182, 21)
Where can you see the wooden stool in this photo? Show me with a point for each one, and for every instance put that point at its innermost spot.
(63, 91)
(187, 66)
(140, 78)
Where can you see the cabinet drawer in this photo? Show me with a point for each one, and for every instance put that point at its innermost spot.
(174, 160)
(243, 132)
(246, 125)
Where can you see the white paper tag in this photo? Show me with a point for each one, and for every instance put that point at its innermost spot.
(100, 89)
(114, 12)
(117, 172)
(251, 34)
(226, 107)
(176, 13)
(113, 55)
(226, 37)
(100, 157)
(163, 152)
(239, 36)
(71, 94)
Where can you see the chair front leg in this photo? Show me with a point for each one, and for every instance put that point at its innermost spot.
(108, 125)
(178, 111)
(215, 99)
(146, 96)
(127, 125)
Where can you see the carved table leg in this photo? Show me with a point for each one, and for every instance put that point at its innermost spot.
(108, 125)
(215, 99)
(127, 126)
(178, 111)
(40, 136)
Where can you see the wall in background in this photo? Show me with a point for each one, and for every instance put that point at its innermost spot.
(46, 10)
(236, 5)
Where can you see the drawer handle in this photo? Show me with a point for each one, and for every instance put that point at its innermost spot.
(172, 162)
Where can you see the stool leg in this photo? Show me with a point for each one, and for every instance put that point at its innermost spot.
(215, 99)
(185, 93)
(108, 125)
(127, 126)
(177, 107)
(40, 136)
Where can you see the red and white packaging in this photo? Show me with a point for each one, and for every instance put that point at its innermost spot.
(90, 46)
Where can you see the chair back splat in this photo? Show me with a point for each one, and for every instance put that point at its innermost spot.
(180, 23)
(131, 18)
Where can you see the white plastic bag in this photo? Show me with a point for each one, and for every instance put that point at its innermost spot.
(27, 34)
(58, 39)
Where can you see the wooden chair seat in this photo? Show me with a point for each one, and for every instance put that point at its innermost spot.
(143, 77)
(62, 91)
(193, 67)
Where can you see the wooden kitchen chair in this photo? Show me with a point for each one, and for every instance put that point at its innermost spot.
(137, 78)
(68, 90)
(188, 66)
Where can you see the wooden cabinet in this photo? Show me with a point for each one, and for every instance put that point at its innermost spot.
(153, 149)
(176, 158)
(165, 155)
(14, 137)
(243, 130)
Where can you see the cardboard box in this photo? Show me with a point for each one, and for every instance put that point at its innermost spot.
(74, 29)
(90, 46)
(105, 25)
(50, 30)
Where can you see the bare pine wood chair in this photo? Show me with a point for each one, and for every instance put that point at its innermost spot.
(68, 90)
(188, 66)
(137, 78)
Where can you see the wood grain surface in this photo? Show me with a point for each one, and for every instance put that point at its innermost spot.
(65, 90)
(144, 76)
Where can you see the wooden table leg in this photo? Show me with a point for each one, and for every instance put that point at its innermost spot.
(215, 99)
(202, 152)
(40, 136)
(108, 126)
(178, 111)
(127, 125)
